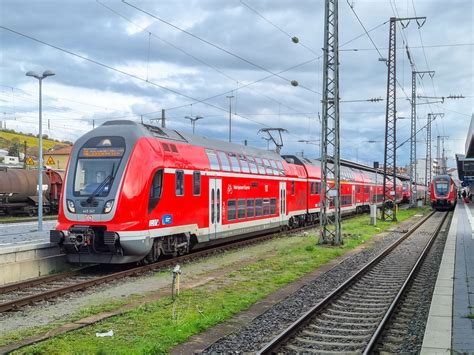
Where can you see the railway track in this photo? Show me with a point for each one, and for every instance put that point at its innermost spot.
(29, 292)
(351, 318)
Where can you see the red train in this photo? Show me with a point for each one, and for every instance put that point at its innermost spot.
(420, 192)
(143, 191)
(443, 193)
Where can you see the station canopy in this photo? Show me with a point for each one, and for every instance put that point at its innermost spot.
(465, 162)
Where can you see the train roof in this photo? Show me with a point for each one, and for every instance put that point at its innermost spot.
(207, 143)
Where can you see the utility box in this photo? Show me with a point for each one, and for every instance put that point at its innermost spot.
(420, 203)
(373, 215)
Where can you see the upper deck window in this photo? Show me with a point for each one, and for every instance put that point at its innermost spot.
(213, 161)
(244, 164)
(225, 165)
(234, 162)
(253, 165)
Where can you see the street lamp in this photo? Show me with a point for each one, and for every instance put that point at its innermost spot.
(193, 120)
(46, 73)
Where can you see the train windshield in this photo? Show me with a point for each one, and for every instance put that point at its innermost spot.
(442, 187)
(97, 164)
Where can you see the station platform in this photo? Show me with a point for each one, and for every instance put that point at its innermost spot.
(26, 253)
(450, 327)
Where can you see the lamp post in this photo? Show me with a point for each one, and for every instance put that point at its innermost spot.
(46, 73)
(230, 97)
(193, 120)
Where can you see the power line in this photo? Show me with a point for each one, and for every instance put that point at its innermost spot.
(258, 66)
(412, 47)
(293, 38)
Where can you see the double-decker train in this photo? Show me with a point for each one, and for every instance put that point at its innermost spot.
(143, 191)
(420, 191)
(443, 193)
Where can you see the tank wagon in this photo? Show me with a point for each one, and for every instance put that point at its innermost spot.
(19, 194)
(143, 191)
(443, 193)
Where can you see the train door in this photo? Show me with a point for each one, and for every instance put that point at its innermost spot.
(282, 201)
(215, 207)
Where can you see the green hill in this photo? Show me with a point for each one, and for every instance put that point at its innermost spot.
(8, 138)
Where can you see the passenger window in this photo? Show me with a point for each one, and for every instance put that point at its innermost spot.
(268, 166)
(266, 206)
(196, 183)
(234, 162)
(241, 209)
(225, 165)
(179, 182)
(253, 165)
(261, 168)
(274, 166)
(213, 161)
(244, 164)
(231, 212)
(250, 208)
(273, 206)
(280, 167)
(258, 207)
(155, 190)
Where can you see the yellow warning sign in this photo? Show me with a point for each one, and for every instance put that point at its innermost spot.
(50, 161)
(29, 161)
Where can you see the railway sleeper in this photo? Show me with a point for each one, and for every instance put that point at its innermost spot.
(349, 346)
(297, 350)
(336, 337)
(333, 330)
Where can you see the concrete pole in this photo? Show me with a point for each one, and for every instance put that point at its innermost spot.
(40, 161)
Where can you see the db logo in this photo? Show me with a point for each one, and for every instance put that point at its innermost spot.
(229, 189)
(88, 217)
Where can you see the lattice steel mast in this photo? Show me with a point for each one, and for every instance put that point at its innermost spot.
(389, 211)
(413, 177)
(330, 152)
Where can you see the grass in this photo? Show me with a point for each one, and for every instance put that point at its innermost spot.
(158, 326)
(19, 219)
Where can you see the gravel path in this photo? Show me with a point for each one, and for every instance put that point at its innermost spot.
(262, 329)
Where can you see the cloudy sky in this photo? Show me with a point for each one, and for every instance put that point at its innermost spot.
(129, 60)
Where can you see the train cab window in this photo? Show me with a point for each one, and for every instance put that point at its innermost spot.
(231, 210)
(366, 189)
(266, 206)
(253, 165)
(258, 207)
(292, 188)
(234, 162)
(179, 183)
(242, 206)
(312, 188)
(225, 165)
(196, 183)
(273, 206)
(213, 161)
(155, 190)
(244, 164)
(250, 208)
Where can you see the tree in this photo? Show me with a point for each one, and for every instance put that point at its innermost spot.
(14, 150)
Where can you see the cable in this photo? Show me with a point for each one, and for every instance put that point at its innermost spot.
(277, 27)
(185, 52)
(258, 66)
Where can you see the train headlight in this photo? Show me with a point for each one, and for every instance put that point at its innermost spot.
(108, 206)
(70, 206)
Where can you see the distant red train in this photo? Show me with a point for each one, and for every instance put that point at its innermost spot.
(133, 192)
(443, 193)
(420, 192)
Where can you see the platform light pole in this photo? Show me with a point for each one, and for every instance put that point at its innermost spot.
(193, 120)
(46, 73)
(230, 97)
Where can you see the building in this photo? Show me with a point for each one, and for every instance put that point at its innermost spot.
(465, 162)
(421, 170)
(57, 158)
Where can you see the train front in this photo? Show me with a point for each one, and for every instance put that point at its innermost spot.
(442, 195)
(101, 211)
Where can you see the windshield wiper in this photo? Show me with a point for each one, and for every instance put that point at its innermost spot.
(102, 185)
